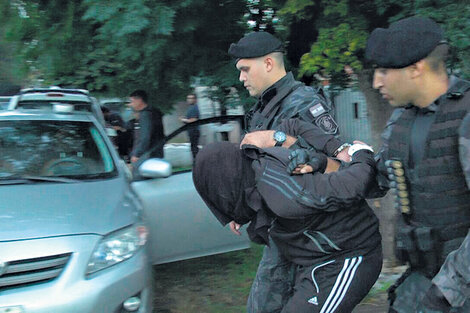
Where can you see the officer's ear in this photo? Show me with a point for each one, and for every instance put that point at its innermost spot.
(417, 69)
(269, 63)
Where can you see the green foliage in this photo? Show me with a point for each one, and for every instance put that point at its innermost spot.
(227, 89)
(112, 47)
(337, 7)
(297, 8)
(343, 27)
(335, 48)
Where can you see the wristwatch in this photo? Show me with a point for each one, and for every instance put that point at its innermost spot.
(341, 148)
(359, 146)
(279, 137)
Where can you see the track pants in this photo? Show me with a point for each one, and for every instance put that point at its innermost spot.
(336, 285)
(333, 286)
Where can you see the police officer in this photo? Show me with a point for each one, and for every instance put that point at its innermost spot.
(260, 60)
(426, 158)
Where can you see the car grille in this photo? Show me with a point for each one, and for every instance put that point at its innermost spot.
(20, 273)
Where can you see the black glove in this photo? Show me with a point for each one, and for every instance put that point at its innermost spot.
(433, 302)
(317, 161)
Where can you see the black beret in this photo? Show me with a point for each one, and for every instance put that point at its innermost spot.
(255, 44)
(405, 42)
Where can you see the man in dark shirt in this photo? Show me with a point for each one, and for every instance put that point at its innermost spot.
(148, 129)
(192, 115)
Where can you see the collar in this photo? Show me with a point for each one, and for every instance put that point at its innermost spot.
(272, 91)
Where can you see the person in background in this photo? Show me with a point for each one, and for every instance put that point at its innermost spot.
(148, 127)
(425, 159)
(192, 115)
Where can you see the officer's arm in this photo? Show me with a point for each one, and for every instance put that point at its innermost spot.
(453, 279)
(312, 136)
(464, 148)
(302, 135)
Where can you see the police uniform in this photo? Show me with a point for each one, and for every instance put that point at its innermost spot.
(285, 99)
(426, 160)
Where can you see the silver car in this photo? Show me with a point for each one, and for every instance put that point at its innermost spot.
(4, 100)
(76, 234)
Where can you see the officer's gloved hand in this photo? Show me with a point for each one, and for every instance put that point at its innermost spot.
(433, 302)
(317, 161)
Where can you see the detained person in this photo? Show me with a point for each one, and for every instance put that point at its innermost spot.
(320, 222)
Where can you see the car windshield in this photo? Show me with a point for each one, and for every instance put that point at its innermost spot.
(44, 148)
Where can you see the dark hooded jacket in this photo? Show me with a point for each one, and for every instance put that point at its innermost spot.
(310, 216)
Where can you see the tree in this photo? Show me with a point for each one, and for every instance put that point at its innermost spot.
(339, 30)
(10, 81)
(114, 47)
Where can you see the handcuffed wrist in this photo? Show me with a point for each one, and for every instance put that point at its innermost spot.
(359, 146)
(341, 148)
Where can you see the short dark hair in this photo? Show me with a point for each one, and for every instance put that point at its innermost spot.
(438, 57)
(140, 94)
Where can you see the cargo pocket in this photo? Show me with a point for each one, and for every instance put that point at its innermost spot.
(321, 242)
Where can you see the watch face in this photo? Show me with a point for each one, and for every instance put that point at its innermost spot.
(279, 136)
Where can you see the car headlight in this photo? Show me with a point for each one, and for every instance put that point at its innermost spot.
(117, 247)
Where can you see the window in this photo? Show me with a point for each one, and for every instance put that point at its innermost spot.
(356, 110)
(53, 148)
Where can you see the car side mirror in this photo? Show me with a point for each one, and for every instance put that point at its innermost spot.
(155, 168)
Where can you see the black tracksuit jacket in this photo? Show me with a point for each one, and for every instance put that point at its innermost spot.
(316, 216)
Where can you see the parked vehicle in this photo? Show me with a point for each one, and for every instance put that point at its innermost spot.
(77, 234)
(44, 98)
(119, 106)
(180, 224)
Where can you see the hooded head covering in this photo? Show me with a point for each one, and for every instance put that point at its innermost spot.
(225, 180)
(221, 174)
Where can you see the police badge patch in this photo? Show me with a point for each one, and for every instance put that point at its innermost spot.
(327, 124)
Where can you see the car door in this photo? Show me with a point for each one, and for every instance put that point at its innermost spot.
(181, 226)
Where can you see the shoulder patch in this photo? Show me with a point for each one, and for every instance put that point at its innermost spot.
(317, 110)
(327, 124)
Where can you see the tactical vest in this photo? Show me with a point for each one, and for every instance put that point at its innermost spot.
(436, 217)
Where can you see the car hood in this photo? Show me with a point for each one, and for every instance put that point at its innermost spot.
(50, 209)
